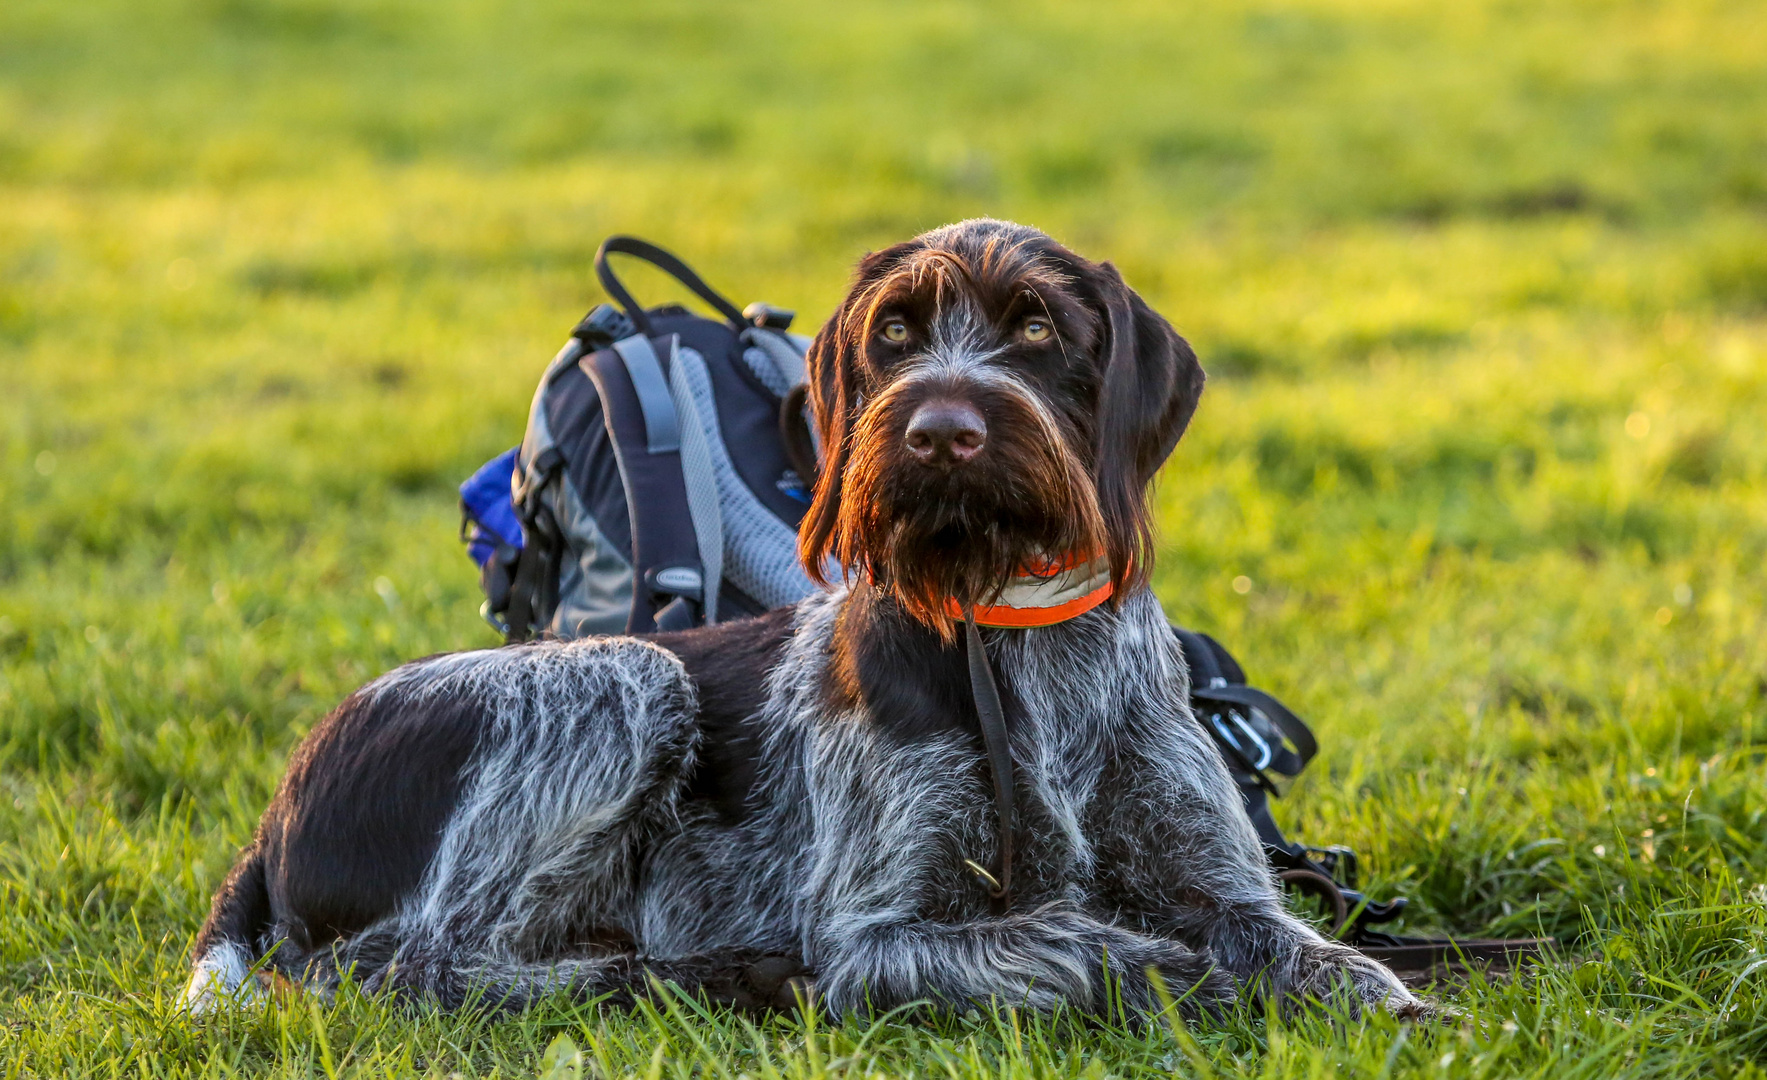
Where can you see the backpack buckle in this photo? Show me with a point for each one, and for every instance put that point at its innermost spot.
(683, 581)
(604, 325)
(1251, 746)
(768, 317)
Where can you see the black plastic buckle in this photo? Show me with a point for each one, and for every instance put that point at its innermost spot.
(604, 325)
(768, 317)
(1339, 861)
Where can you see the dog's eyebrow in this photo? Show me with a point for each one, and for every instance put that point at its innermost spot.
(1054, 324)
(945, 270)
(869, 301)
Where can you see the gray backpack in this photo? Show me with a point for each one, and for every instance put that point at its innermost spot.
(666, 466)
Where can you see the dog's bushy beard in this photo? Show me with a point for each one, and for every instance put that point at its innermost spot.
(924, 535)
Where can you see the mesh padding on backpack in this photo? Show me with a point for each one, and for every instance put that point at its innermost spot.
(765, 370)
(776, 359)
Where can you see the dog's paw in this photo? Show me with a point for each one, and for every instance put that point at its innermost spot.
(747, 981)
(780, 983)
(1376, 988)
(1198, 990)
(1421, 1010)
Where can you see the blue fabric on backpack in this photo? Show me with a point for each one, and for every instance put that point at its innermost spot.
(487, 500)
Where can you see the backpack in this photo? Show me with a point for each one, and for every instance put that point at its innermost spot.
(654, 489)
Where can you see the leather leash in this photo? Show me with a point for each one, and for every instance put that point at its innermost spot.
(993, 724)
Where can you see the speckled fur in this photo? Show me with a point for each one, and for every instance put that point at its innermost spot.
(1137, 855)
(570, 853)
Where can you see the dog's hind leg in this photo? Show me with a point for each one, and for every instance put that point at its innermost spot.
(563, 797)
(578, 772)
(453, 977)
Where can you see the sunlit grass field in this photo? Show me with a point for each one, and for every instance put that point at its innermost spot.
(1482, 288)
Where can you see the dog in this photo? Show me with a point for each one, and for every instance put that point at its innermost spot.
(801, 802)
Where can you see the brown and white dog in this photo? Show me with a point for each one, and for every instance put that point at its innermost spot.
(806, 793)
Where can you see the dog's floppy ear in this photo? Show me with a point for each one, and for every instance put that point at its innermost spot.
(832, 368)
(1148, 391)
(829, 370)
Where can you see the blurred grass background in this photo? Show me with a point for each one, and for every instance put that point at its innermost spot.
(1479, 484)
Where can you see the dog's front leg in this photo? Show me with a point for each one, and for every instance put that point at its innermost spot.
(1188, 859)
(1035, 960)
(1280, 956)
(893, 915)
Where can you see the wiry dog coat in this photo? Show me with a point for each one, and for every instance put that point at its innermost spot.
(805, 793)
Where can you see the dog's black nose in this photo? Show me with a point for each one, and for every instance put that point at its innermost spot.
(946, 432)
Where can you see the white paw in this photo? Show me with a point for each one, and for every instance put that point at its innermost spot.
(221, 979)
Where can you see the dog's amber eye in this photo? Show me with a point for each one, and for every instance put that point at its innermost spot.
(895, 331)
(1036, 330)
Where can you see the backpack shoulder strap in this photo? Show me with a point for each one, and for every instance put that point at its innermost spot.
(662, 427)
(645, 431)
(1198, 657)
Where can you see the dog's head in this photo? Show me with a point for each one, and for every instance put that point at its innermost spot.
(987, 400)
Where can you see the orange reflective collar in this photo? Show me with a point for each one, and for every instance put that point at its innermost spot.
(1045, 595)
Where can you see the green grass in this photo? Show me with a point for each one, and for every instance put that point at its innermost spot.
(1483, 286)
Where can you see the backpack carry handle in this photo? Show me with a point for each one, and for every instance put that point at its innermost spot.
(668, 264)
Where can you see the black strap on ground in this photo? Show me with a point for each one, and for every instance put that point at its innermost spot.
(993, 723)
(668, 264)
(1440, 955)
(1411, 956)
